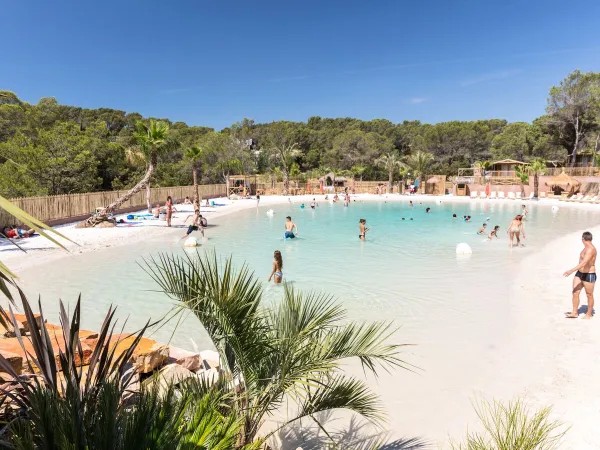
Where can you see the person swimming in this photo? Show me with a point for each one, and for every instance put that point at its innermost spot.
(363, 230)
(466, 218)
(289, 228)
(410, 203)
(427, 210)
(454, 216)
(313, 204)
(277, 272)
(482, 229)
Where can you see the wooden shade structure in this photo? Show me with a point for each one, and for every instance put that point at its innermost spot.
(564, 181)
(433, 180)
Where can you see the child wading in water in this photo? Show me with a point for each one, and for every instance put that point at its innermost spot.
(277, 273)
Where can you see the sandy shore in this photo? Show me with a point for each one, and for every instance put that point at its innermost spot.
(549, 359)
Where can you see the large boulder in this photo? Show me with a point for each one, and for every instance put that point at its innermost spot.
(12, 345)
(147, 356)
(23, 319)
(15, 360)
(210, 359)
(171, 374)
(186, 359)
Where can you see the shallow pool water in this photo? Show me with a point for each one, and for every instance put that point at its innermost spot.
(454, 309)
(406, 270)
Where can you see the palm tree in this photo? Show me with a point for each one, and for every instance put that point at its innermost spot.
(537, 167)
(418, 162)
(152, 139)
(522, 173)
(390, 162)
(195, 155)
(286, 154)
(289, 351)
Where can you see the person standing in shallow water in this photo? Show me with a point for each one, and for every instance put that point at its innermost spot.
(363, 229)
(169, 210)
(585, 278)
(277, 272)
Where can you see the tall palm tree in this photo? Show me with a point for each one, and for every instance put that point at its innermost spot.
(289, 351)
(195, 155)
(286, 155)
(152, 139)
(522, 173)
(390, 162)
(418, 162)
(537, 167)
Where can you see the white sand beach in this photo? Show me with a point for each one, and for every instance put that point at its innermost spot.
(548, 359)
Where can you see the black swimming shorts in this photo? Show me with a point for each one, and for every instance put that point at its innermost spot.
(586, 277)
(192, 228)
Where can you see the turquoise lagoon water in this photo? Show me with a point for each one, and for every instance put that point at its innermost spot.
(454, 309)
(406, 271)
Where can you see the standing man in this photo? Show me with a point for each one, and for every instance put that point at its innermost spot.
(585, 278)
(289, 228)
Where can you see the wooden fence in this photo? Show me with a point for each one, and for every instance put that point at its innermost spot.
(312, 188)
(54, 208)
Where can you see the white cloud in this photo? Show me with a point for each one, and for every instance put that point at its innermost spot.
(491, 76)
(417, 100)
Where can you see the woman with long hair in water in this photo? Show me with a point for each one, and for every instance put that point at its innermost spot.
(277, 272)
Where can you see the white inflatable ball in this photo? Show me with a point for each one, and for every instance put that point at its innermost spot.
(463, 249)
(191, 242)
(555, 209)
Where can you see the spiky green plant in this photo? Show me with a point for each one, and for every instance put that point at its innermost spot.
(513, 426)
(66, 408)
(290, 351)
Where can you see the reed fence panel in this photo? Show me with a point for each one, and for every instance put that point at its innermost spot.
(59, 207)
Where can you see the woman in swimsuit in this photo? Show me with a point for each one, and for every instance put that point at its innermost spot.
(515, 229)
(363, 229)
(169, 209)
(277, 273)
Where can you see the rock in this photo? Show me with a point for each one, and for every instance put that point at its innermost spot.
(147, 356)
(83, 224)
(16, 362)
(463, 249)
(174, 374)
(9, 331)
(56, 330)
(23, 319)
(210, 359)
(191, 242)
(186, 359)
(106, 225)
(12, 345)
(211, 375)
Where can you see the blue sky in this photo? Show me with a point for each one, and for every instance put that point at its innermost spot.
(215, 62)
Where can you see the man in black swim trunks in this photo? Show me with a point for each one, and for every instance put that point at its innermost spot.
(585, 278)
(198, 223)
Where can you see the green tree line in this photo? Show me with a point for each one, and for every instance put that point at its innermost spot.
(49, 148)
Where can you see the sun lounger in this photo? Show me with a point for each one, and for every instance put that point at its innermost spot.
(543, 194)
(590, 200)
(530, 196)
(511, 195)
(482, 195)
(474, 194)
(573, 198)
(519, 197)
(501, 195)
(493, 195)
